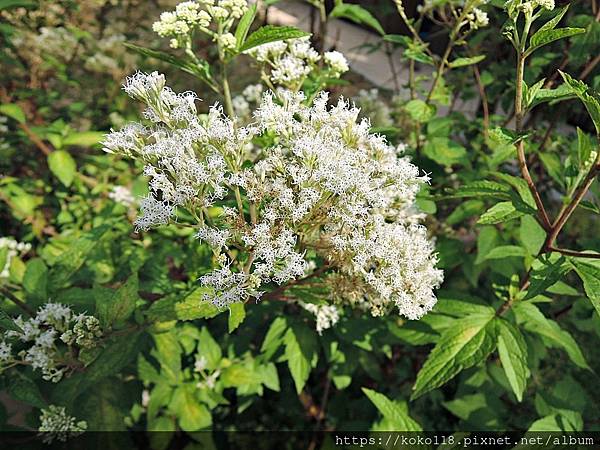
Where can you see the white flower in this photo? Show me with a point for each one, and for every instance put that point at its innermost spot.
(5, 351)
(326, 315)
(56, 424)
(315, 185)
(13, 249)
(253, 93)
(546, 4)
(337, 61)
(227, 41)
(122, 195)
(200, 364)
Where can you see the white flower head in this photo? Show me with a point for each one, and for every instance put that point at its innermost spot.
(56, 424)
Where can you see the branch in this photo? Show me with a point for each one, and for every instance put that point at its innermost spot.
(574, 253)
(20, 303)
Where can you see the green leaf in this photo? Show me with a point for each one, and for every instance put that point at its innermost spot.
(237, 314)
(585, 147)
(239, 375)
(551, 24)
(35, 280)
(271, 33)
(589, 272)
(191, 414)
(274, 338)
(200, 70)
(118, 307)
(544, 37)
(545, 272)
(500, 212)
(63, 166)
(8, 323)
(300, 351)
(71, 261)
(532, 234)
(420, 111)
(398, 418)
(117, 353)
(357, 14)
(481, 189)
(241, 32)
(445, 151)
(512, 349)
(532, 320)
(565, 421)
(506, 251)
(462, 62)
(465, 343)
(25, 390)
(168, 352)
(210, 349)
(84, 138)
(193, 306)
(6, 4)
(13, 111)
(590, 100)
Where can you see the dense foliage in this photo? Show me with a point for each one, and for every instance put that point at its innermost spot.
(307, 255)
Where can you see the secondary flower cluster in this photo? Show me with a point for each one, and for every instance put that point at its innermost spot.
(302, 183)
(198, 15)
(56, 424)
(325, 315)
(288, 63)
(39, 339)
(10, 248)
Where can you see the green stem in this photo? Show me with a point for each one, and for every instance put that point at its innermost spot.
(227, 91)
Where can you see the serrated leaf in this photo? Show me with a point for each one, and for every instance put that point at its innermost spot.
(25, 390)
(71, 261)
(271, 33)
(398, 418)
(35, 279)
(356, 14)
(465, 343)
(241, 32)
(118, 307)
(445, 151)
(274, 337)
(300, 350)
(13, 111)
(7, 323)
(506, 251)
(63, 166)
(462, 62)
(545, 37)
(545, 272)
(532, 234)
(500, 212)
(84, 138)
(210, 349)
(191, 414)
(531, 319)
(200, 70)
(481, 189)
(512, 349)
(419, 110)
(589, 272)
(589, 99)
(237, 314)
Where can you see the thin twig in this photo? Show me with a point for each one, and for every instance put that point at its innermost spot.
(20, 303)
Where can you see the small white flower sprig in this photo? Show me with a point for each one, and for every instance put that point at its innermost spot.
(192, 16)
(57, 425)
(287, 64)
(301, 183)
(49, 341)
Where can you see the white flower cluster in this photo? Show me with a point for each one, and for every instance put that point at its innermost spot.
(373, 107)
(326, 315)
(53, 324)
(319, 182)
(122, 195)
(209, 380)
(191, 15)
(251, 95)
(478, 19)
(290, 62)
(56, 424)
(10, 248)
